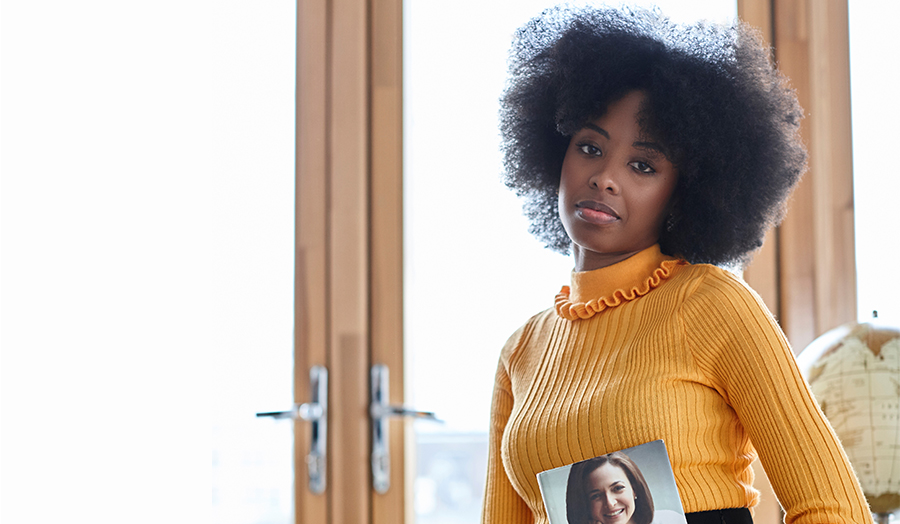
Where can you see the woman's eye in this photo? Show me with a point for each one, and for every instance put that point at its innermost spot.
(643, 167)
(589, 149)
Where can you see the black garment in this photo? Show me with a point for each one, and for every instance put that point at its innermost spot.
(720, 516)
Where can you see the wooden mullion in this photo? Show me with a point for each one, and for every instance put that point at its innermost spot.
(311, 326)
(797, 262)
(349, 262)
(762, 273)
(387, 242)
(816, 248)
(831, 161)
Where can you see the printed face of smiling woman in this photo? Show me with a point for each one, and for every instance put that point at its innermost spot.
(615, 187)
(610, 495)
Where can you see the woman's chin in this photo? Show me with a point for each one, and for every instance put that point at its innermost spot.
(619, 517)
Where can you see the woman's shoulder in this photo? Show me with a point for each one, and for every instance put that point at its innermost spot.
(705, 287)
(708, 272)
(526, 332)
(707, 279)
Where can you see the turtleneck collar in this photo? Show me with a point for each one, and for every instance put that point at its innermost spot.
(593, 291)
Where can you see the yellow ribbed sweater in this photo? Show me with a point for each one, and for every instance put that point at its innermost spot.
(654, 348)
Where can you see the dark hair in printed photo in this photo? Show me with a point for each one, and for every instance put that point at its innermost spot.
(578, 504)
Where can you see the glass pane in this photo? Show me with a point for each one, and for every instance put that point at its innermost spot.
(875, 112)
(473, 274)
(147, 228)
(252, 459)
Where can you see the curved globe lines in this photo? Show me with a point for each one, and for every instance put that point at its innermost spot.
(854, 373)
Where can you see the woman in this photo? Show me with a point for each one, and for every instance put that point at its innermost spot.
(655, 153)
(609, 489)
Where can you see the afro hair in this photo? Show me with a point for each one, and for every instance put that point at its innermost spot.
(725, 116)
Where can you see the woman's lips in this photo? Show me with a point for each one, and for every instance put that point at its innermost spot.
(595, 212)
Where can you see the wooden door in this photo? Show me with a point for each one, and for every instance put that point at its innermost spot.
(348, 307)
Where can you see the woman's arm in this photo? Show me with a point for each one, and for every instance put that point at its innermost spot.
(739, 342)
(501, 501)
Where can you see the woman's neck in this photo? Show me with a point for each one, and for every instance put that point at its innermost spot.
(587, 260)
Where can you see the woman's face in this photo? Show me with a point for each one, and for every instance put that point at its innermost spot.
(615, 187)
(610, 495)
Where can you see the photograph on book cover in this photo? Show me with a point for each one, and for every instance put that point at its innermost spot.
(630, 486)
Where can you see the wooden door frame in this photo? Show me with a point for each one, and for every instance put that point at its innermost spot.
(386, 207)
(806, 270)
(348, 280)
(311, 267)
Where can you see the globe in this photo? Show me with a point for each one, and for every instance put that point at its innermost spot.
(854, 373)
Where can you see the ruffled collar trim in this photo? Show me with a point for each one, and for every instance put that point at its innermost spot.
(594, 291)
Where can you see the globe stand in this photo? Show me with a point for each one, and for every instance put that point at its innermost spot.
(883, 518)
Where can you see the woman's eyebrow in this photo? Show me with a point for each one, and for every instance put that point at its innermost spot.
(652, 148)
(597, 129)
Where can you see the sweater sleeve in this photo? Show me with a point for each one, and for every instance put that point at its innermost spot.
(501, 501)
(741, 347)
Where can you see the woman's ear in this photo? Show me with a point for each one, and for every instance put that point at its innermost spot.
(672, 215)
(672, 205)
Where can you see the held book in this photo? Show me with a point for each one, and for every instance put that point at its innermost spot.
(634, 485)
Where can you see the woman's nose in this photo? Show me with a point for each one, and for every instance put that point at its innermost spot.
(605, 180)
(610, 500)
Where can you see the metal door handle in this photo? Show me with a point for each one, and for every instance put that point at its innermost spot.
(380, 411)
(399, 411)
(316, 412)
